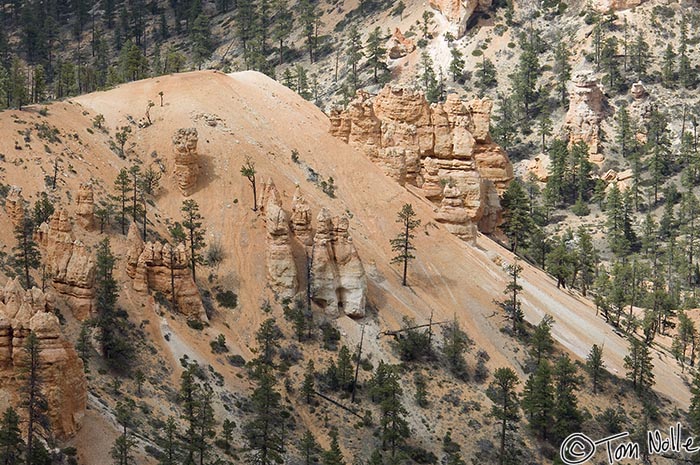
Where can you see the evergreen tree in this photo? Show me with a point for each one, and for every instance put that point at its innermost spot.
(639, 366)
(169, 444)
(668, 67)
(116, 348)
(43, 209)
(524, 79)
(595, 366)
(33, 398)
(333, 456)
(694, 409)
(428, 78)
(485, 74)
(505, 407)
(122, 450)
(541, 342)
(26, 255)
(403, 243)
(11, 443)
(455, 344)
(512, 290)
(457, 64)
(518, 223)
(567, 417)
(200, 38)
(283, 25)
(309, 448)
(538, 399)
(353, 52)
(264, 433)
(562, 70)
(308, 387)
(394, 427)
(192, 222)
(376, 53)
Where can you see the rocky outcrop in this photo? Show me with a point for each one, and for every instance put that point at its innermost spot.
(460, 12)
(70, 264)
(433, 147)
(86, 206)
(281, 269)
(159, 268)
(640, 110)
(399, 46)
(61, 370)
(338, 281)
(186, 159)
(586, 111)
(539, 167)
(14, 206)
(616, 5)
(301, 218)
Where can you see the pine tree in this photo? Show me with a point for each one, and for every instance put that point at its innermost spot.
(308, 387)
(560, 262)
(333, 456)
(428, 78)
(639, 366)
(43, 209)
(455, 344)
(394, 427)
(668, 67)
(344, 369)
(685, 72)
(595, 366)
(567, 417)
(248, 171)
(18, 84)
(192, 222)
(485, 74)
(518, 223)
(116, 347)
(11, 443)
(169, 444)
(84, 345)
(505, 407)
(200, 37)
(694, 409)
(376, 53)
(122, 450)
(353, 52)
(541, 341)
(512, 289)
(33, 398)
(403, 243)
(309, 448)
(26, 255)
(264, 433)
(538, 399)
(283, 25)
(524, 79)
(562, 70)
(457, 64)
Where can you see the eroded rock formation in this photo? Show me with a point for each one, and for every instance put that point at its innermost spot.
(159, 267)
(65, 388)
(186, 159)
(14, 206)
(281, 269)
(433, 147)
(86, 206)
(301, 218)
(70, 264)
(399, 46)
(338, 281)
(460, 12)
(585, 113)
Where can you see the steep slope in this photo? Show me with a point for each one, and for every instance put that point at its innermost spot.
(249, 115)
(264, 120)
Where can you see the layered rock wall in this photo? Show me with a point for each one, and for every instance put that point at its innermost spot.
(61, 370)
(445, 149)
(281, 269)
(156, 267)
